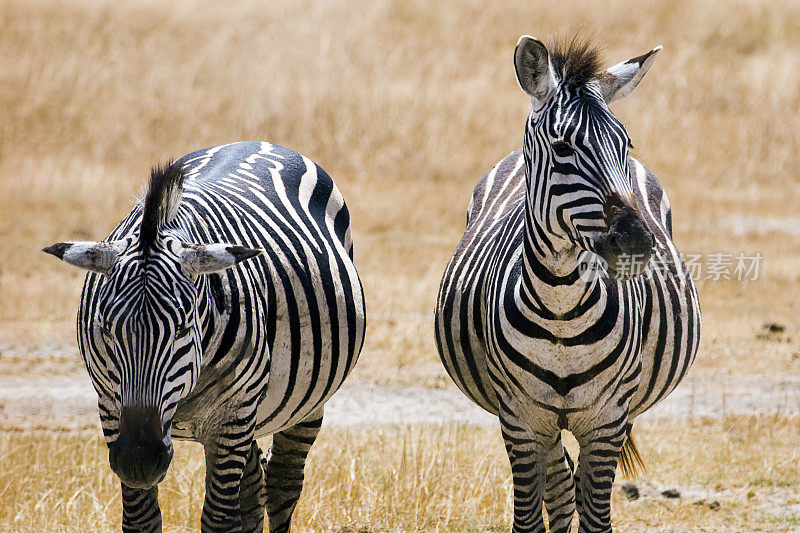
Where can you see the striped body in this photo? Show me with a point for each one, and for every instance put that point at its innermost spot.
(278, 333)
(526, 331)
(629, 339)
(481, 285)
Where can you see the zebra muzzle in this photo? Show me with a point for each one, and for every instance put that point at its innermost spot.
(627, 246)
(141, 454)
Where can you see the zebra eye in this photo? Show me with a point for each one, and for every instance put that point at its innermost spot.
(562, 149)
(182, 332)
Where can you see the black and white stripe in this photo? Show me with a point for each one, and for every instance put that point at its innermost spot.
(519, 326)
(224, 307)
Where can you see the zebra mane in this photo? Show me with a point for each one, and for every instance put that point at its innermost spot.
(161, 201)
(577, 61)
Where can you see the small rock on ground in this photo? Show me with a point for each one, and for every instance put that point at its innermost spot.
(630, 490)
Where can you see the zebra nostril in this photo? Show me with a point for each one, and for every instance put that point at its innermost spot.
(613, 244)
(113, 455)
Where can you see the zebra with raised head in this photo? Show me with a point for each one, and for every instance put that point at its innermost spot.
(224, 307)
(533, 336)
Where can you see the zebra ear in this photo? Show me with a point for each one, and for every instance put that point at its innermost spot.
(97, 256)
(207, 258)
(620, 80)
(534, 71)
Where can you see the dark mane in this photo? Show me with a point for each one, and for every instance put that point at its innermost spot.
(577, 61)
(161, 201)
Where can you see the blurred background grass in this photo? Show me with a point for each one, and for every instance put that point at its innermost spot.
(406, 103)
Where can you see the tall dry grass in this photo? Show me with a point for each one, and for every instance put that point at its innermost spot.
(423, 479)
(406, 103)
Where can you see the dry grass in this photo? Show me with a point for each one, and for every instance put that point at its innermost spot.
(406, 104)
(424, 478)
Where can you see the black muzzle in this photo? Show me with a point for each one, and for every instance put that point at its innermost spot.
(142, 452)
(627, 245)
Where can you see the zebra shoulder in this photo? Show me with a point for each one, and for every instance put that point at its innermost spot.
(505, 178)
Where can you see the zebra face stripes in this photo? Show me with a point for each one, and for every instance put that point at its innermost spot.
(147, 326)
(580, 187)
(147, 320)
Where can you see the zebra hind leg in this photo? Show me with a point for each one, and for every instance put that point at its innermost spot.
(253, 491)
(140, 510)
(559, 496)
(284, 470)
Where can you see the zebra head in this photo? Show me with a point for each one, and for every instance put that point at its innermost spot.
(580, 184)
(146, 328)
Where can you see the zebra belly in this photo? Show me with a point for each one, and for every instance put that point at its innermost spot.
(328, 319)
(315, 345)
(494, 221)
(568, 379)
(307, 326)
(671, 336)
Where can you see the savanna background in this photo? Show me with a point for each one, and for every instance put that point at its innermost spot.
(406, 103)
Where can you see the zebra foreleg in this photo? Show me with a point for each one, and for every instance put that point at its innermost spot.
(140, 510)
(253, 491)
(225, 465)
(527, 453)
(284, 469)
(559, 496)
(597, 466)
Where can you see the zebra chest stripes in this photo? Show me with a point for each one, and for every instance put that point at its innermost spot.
(533, 336)
(223, 307)
(572, 359)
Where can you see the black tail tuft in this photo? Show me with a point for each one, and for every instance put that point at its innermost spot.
(630, 461)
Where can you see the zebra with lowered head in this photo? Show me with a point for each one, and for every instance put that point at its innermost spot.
(528, 330)
(225, 306)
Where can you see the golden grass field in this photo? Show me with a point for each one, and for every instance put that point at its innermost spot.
(422, 478)
(405, 103)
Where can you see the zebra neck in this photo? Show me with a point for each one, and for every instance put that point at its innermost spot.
(542, 293)
(550, 286)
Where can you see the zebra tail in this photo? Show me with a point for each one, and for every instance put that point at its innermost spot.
(630, 461)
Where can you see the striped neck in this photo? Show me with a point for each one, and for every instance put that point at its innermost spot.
(550, 285)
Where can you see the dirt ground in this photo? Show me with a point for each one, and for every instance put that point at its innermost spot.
(47, 387)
